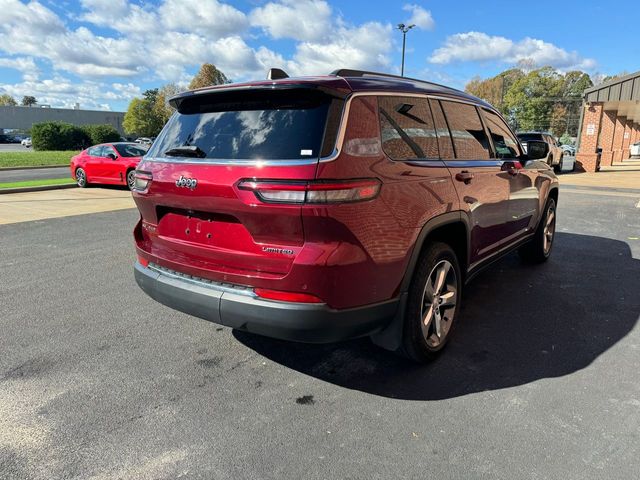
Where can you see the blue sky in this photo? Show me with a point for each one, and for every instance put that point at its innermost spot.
(102, 53)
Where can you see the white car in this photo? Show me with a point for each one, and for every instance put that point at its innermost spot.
(26, 142)
(634, 151)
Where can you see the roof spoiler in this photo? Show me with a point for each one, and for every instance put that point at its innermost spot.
(276, 74)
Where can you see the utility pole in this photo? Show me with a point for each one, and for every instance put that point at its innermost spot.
(404, 29)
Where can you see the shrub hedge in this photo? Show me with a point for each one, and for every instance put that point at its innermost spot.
(65, 136)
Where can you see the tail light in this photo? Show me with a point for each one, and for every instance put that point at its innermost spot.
(313, 192)
(286, 296)
(142, 181)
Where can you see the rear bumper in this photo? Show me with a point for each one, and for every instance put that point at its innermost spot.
(241, 309)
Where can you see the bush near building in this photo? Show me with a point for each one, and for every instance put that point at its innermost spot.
(101, 133)
(65, 136)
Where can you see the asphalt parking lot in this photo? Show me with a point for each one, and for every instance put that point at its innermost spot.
(541, 381)
(23, 174)
(14, 147)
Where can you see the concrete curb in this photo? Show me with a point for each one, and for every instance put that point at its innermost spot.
(40, 188)
(33, 167)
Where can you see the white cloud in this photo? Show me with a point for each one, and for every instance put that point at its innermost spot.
(479, 47)
(62, 92)
(26, 65)
(305, 20)
(208, 17)
(420, 17)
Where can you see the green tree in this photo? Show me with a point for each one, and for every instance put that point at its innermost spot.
(142, 117)
(28, 100)
(208, 75)
(162, 107)
(7, 101)
(493, 90)
(531, 99)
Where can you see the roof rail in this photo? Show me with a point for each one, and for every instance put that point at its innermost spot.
(347, 72)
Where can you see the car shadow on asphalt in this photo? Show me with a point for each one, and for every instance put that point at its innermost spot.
(519, 324)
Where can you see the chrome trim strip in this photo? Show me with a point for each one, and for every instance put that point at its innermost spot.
(234, 163)
(473, 163)
(202, 282)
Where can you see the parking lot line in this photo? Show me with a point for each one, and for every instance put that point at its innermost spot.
(26, 207)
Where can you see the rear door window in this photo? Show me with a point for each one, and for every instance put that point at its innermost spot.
(504, 142)
(469, 138)
(407, 129)
(251, 125)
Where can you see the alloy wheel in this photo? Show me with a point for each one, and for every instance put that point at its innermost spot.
(131, 179)
(81, 178)
(439, 303)
(549, 228)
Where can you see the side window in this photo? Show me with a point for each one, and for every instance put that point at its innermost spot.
(444, 137)
(406, 128)
(95, 151)
(469, 138)
(106, 151)
(503, 140)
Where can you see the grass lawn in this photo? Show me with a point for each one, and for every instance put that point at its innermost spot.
(34, 158)
(37, 183)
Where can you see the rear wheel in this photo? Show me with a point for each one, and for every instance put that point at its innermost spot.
(539, 248)
(433, 303)
(131, 179)
(81, 178)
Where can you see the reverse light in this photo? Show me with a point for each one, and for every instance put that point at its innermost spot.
(286, 296)
(142, 180)
(313, 192)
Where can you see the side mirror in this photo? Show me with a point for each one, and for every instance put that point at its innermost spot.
(112, 156)
(537, 150)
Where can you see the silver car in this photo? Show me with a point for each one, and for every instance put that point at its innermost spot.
(556, 154)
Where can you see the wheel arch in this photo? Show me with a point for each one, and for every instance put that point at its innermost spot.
(451, 228)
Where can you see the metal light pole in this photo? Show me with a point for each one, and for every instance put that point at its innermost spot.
(404, 29)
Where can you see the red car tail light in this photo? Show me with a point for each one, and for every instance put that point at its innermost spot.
(286, 296)
(143, 261)
(314, 192)
(142, 181)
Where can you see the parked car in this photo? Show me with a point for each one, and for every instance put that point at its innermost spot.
(568, 150)
(26, 142)
(634, 150)
(144, 140)
(108, 163)
(556, 153)
(324, 208)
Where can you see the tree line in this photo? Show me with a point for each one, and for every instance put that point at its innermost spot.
(7, 100)
(540, 99)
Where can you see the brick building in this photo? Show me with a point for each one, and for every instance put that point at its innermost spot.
(610, 122)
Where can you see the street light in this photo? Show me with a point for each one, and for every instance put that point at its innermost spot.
(404, 29)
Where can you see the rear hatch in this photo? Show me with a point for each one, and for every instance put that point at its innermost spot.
(195, 219)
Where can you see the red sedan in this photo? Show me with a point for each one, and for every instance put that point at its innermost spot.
(110, 163)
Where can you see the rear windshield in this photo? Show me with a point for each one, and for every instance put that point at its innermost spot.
(275, 125)
(525, 137)
(130, 150)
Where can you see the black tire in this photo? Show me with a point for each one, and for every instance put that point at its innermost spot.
(538, 250)
(81, 178)
(131, 179)
(558, 168)
(419, 340)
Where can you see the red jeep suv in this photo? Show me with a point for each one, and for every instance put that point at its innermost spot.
(323, 208)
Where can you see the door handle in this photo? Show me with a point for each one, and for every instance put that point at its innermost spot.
(464, 176)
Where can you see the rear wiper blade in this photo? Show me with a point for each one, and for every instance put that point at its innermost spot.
(186, 151)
